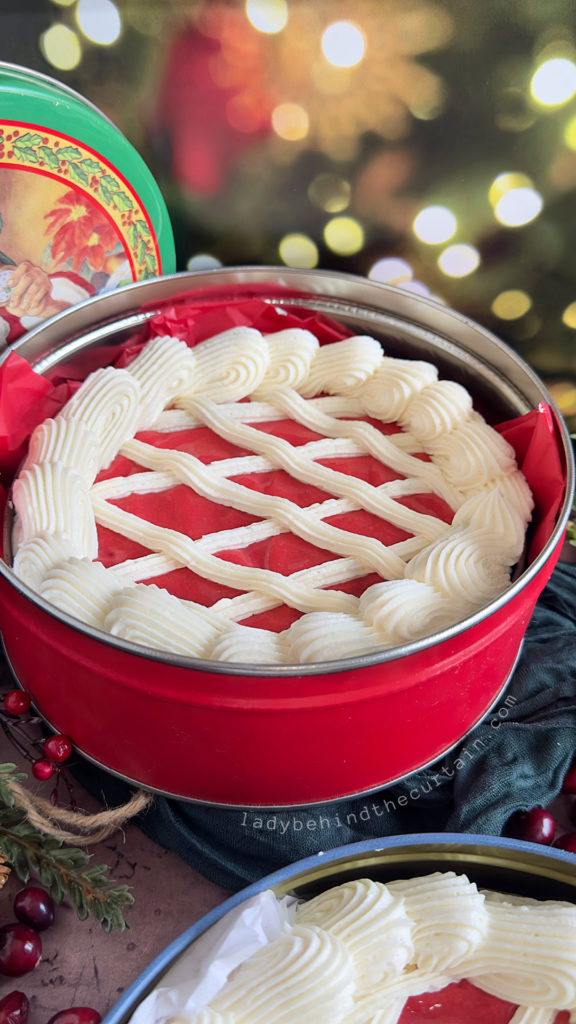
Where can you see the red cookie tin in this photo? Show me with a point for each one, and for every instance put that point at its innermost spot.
(250, 734)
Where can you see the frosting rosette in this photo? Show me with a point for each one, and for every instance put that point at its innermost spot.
(529, 954)
(464, 567)
(107, 404)
(290, 355)
(307, 974)
(164, 369)
(371, 922)
(51, 498)
(69, 443)
(229, 366)
(393, 386)
(450, 919)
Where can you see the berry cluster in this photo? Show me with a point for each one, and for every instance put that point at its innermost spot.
(48, 755)
(538, 824)
(21, 951)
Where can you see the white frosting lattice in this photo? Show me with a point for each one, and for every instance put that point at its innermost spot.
(230, 384)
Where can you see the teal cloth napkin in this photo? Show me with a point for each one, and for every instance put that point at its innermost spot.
(514, 760)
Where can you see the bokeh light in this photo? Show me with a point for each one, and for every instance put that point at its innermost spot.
(417, 287)
(564, 394)
(203, 261)
(297, 250)
(99, 20)
(505, 182)
(434, 224)
(570, 133)
(290, 121)
(554, 82)
(343, 44)
(569, 316)
(269, 16)
(61, 47)
(344, 235)
(330, 193)
(459, 260)
(511, 304)
(517, 207)
(391, 270)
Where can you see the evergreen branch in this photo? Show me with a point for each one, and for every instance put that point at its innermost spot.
(62, 870)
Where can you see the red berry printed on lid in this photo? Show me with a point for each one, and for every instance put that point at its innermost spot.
(58, 748)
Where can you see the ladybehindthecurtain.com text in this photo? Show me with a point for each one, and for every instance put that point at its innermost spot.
(283, 823)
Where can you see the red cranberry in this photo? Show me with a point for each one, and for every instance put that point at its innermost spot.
(534, 826)
(569, 784)
(14, 1008)
(17, 702)
(76, 1015)
(20, 949)
(58, 748)
(567, 842)
(42, 769)
(35, 907)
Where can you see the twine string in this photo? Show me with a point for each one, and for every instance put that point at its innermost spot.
(74, 826)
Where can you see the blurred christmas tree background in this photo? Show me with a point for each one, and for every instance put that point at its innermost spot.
(430, 144)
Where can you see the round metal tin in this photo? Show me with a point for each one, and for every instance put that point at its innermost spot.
(252, 735)
(78, 206)
(506, 865)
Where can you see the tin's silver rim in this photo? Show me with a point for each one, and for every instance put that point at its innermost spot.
(435, 321)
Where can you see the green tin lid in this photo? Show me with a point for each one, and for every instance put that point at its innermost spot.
(80, 212)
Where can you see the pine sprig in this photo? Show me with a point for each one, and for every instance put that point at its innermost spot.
(61, 869)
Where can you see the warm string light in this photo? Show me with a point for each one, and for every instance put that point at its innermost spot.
(298, 250)
(99, 20)
(343, 44)
(391, 270)
(569, 316)
(344, 235)
(330, 193)
(61, 47)
(459, 260)
(267, 16)
(554, 82)
(203, 261)
(511, 305)
(434, 225)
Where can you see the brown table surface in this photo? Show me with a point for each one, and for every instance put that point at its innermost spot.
(82, 965)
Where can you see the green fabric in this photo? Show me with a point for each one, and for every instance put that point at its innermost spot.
(514, 760)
